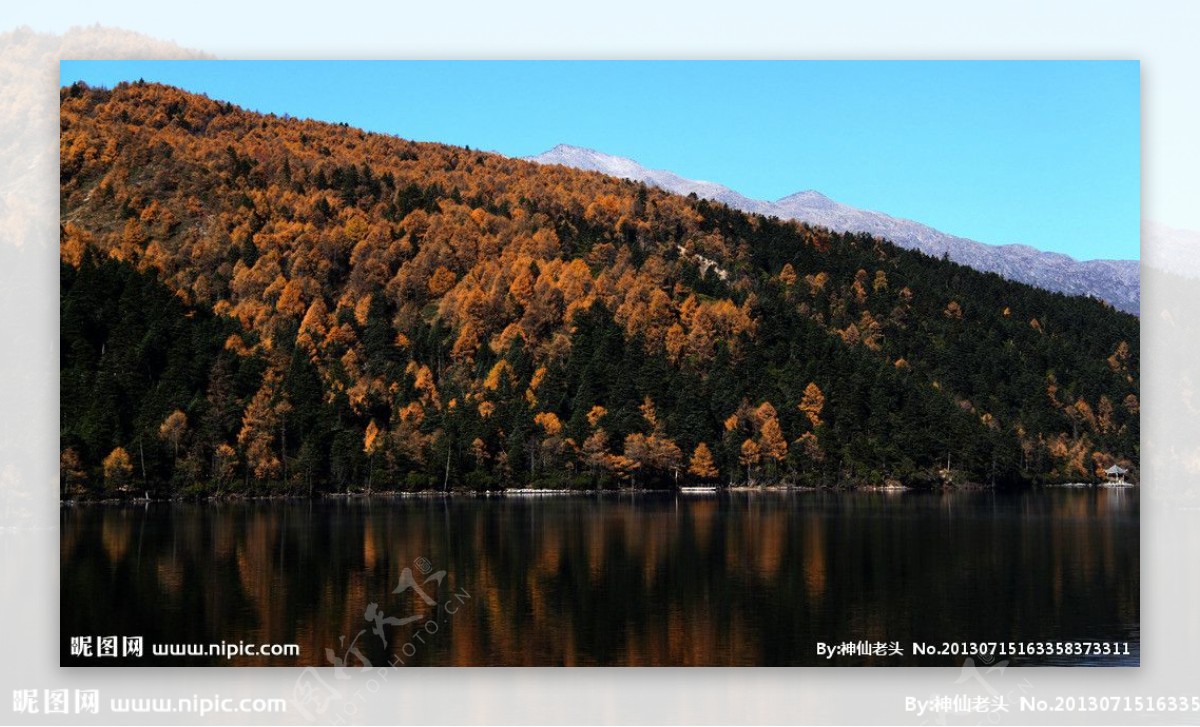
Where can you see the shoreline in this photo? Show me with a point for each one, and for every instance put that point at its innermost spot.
(688, 491)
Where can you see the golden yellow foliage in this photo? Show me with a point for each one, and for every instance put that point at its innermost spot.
(701, 464)
(371, 440)
(649, 412)
(442, 280)
(787, 275)
(549, 422)
(772, 442)
(751, 453)
(117, 468)
(596, 413)
(812, 404)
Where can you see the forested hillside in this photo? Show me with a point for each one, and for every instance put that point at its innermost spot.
(253, 303)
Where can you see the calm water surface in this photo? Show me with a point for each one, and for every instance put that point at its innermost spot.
(651, 579)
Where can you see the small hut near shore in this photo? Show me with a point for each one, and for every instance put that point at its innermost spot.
(1116, 475)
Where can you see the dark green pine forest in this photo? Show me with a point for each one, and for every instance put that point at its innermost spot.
(254, 304)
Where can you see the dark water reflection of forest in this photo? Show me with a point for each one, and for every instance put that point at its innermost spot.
(651, 579)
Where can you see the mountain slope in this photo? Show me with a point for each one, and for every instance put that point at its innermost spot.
(332, 310)
(1114, 281)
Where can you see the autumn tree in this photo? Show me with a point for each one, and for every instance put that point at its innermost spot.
(772, 443)
(172, 430)
(595, 452)
(224, 464)
(812, 404)
(751, 455)
(810, 447)
(701, 464)
(479, 452)
(880, 283)
(118, 469)
(595, 414)
(787, 275)
(373, 440)
(70, 467)
(257, 435)
(1104, 414)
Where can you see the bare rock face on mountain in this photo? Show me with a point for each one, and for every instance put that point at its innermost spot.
(1113, 281)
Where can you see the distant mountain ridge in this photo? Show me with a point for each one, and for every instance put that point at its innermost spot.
(1116, 282)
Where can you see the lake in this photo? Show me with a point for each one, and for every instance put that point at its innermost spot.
(608, 579)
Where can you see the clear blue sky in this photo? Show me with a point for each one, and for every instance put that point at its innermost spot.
(1044, 153)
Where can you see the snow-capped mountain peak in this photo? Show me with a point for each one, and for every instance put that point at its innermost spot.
(1114, 281)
